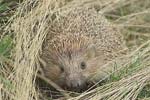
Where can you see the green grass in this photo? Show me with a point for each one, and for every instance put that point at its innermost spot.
(6, 46)
(6, 43)
(5, 52)
(5, 14)
(145, 92)
(128, 70)
(6, 10)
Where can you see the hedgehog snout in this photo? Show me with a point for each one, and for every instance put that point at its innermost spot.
(76, 82)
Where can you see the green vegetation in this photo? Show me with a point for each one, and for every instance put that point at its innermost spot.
(6, 46)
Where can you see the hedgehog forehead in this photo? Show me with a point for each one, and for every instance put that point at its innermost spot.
(70, 45)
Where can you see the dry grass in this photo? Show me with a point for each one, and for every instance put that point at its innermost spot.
(126, 76)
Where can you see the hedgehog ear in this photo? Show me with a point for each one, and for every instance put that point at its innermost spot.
(91, 52)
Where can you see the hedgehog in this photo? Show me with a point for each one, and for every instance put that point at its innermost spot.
(79, 41)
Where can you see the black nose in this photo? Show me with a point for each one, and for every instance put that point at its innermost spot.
(76, 81)
(77, 85)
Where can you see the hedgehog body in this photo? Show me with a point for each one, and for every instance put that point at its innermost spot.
(78, 41)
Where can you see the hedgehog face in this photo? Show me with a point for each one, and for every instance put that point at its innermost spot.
(73, 67)
(69, 53)
(77, 68)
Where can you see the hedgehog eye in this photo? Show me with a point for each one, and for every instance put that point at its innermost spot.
(83, 65)
(62, 69)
